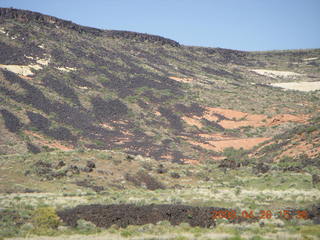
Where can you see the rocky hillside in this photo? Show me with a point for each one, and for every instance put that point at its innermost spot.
(66, 86)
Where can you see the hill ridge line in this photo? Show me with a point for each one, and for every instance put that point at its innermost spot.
(27, 16)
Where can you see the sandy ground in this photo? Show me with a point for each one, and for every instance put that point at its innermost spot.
(236, 119)
(26, 70)
(299, 86)
(185, 80)
(20, 70)
(237, 143)
(276, 74)
(66, 69)
(245, 143)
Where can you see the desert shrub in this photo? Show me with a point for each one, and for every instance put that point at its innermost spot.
(180, 238)
(27, 227)
(126, 233)
(9, 222)
(233, 154)
(45, 218)
(236, 237)
(85, 226)
(312, 128)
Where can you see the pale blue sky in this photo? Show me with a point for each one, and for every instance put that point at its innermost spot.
(234, 24)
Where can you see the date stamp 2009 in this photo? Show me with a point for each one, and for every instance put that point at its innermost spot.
(262, 214)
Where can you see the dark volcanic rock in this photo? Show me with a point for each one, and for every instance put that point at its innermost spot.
(173, 119)
(12, 123)
(33, 148)
(144, 179)
(29, 16)
(112, 109)
(261, 168)
(38, 121)
(91, 164)
(315, 179)
(124, 215)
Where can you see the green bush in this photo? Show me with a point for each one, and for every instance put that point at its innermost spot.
(45, 218)
(86, 226)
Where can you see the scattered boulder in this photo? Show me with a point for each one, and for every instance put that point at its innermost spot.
(91, 164)
(89, 167)
(161, 169)
(260, 168)
(86, 169)
(61, 164)
(74, 169)
(315, 179)
(175, 175)
(33, 149)
(43, 168)
(314, 214)
(129, 157)
(227, 163)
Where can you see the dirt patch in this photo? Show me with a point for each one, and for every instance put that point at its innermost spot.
(53, 144)
(191, 161)
(221, 119)
(237, 143)
(129, 214)
(276, 74)
(279, 119)
(298, 86)
(215, 136)
(184, 80)
(21, 70)
(259, 120)
(207, 146)
(245, 143)
(227, 113)
(300, 146)
(231, 119)
(194, 121)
